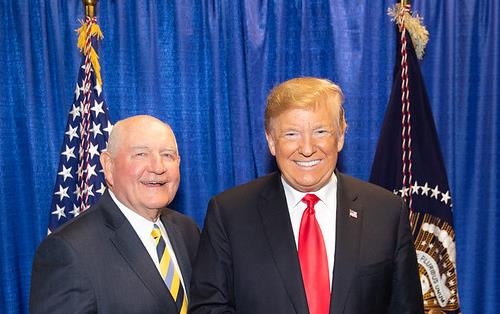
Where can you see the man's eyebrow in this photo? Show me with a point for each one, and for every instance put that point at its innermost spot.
(169, 150)
(143, 147)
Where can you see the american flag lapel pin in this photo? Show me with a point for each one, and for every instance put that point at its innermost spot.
(353, 213)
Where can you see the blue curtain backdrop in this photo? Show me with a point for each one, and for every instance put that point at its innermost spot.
(206, 68)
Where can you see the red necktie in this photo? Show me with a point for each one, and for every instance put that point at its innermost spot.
(313, 260)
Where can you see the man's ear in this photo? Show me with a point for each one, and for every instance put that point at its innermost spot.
(107, 167)
(340, 142)
(270, 143)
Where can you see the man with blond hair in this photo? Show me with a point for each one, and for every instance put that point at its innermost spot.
(306, 239)
(128, 253)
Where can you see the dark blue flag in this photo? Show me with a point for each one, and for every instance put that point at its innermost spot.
(408, 162)
(80, 180)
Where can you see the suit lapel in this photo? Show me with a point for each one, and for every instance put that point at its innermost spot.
(179, 247)
(349, 222)
(130, 247)
(278, 231)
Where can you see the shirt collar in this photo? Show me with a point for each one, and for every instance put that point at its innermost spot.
(294, 197)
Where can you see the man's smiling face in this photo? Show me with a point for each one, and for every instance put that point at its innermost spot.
(306, 143)
(143, 171)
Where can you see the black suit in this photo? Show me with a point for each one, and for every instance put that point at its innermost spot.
(247, 261)
(97, 263)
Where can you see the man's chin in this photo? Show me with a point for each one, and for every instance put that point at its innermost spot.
(307, 186)
(157, 205)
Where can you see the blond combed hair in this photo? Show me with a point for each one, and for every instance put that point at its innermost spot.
(306, 93)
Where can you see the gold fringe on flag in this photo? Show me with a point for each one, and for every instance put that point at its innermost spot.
(413, 24)
(95, 31)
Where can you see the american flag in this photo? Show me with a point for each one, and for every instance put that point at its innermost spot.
(408, 161)
(80, 179)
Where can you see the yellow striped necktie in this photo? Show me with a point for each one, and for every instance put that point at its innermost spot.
(168, 272)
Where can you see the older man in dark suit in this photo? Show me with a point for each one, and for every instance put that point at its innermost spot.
(308, 239)
(128, 253)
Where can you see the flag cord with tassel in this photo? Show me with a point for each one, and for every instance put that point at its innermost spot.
(89, 29)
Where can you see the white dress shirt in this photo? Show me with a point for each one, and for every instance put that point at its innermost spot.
(326, 215)
(143, 228)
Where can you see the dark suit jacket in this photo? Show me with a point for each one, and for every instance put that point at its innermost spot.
(97, 263)
(247, 261)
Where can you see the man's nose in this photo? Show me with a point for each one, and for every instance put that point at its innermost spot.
(156, 164)
(307, 145)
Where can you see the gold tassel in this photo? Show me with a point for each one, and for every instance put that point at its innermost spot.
(97, 67)
(95, 31)
(413, 23)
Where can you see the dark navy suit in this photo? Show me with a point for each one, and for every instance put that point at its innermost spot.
(248, 263)
(97, 264)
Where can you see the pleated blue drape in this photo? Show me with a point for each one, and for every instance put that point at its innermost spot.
(206, 67)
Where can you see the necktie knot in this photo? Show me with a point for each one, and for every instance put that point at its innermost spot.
(156, 233)
(310, 200)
